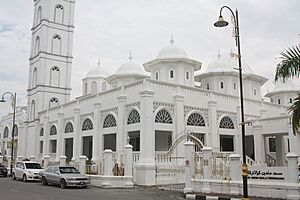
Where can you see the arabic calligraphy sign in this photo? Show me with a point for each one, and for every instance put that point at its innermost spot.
(267, 173)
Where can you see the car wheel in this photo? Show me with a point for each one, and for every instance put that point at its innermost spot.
(63, 184)
(24, 178)
(13, 176)
(44, 181)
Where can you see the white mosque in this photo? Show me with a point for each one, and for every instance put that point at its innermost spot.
(153, 104)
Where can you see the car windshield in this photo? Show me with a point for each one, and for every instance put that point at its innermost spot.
(68, 170)
(33, 166)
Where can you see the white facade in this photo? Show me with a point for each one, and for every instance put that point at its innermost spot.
(152, 110)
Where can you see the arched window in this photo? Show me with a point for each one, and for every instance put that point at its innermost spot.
(53, 102)
(222, 85)
(56, 44)
(94, 87)
(109, 121)
(37, 46)
(59, 14)
(134, 117)
(103, 86)
(254, 91)
(53, 130)
(87, 125)
(187, 75)
(85, 88)
(54, 76)
(291, 100)
(164, 117)
(69, 128)
(38, 15)
(34, 78)
(15, 130)
(5, 134)
(234, 85)
(278, 101)
(156, 75)
(195, 119)
(32, 110)
(207, 86)
(171, 74)
(42, 132)
(227, 123)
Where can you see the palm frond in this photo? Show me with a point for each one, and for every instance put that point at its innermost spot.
(289, 65)
(295, 110)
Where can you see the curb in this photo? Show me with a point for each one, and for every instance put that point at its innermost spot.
(203, 197)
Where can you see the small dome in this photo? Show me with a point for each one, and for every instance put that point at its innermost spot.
(130, 68)
(227, 64)
(97, 72)
(171, 51)
(288, 85)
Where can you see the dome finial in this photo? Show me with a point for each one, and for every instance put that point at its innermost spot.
(219, 54)
(99, 63)
(130, 56)
(172, 39)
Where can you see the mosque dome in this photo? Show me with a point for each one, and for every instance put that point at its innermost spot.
(130, 68)
(171, 51)
(227, 64)
(97, 72)
(287, 86)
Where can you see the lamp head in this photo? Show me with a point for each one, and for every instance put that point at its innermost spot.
(2, 100)
(221, 22)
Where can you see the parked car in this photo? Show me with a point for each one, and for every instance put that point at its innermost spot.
(27, 170)
(64, 177)
(3, 170)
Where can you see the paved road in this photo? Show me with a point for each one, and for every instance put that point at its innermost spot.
(16, 190)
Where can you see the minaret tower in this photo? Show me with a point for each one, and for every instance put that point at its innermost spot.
(51, 55)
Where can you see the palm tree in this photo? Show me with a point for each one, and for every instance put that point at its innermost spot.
(288, 68)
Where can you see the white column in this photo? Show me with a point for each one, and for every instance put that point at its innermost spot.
(213, 135)
(108, 162)
(292, 175)
(235, 173)
(24, 140)
(21, 138)
(121, 135)
(82, 164)
(207, 168)
(36, 141)
(145, 168)
(189, 148)
(128, 160)
(259, 145)
(46, 136)
(294, 142)
(279, 149)
(46, 161)
(60, 134)
(77, 135)
(97, 134)
(180, 122)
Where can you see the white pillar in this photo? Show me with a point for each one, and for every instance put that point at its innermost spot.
(128, 160)
(24, 140)
(108, 162)
(294, 142)
(213, 135)
(21, 138)
(62, 160)
(189, 165)
(259, 145)
(121, 135)
(36, 141)
(207, 168)
(60, 136)
(82, 164)
(180, 122)
(46, 161)
(46, 136)
(8, 162)
(279, 149)
(77, 135)
(97, 133)
(235, 173)
(145, 168)
(292, 176)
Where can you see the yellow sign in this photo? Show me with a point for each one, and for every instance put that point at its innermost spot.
(8, 144)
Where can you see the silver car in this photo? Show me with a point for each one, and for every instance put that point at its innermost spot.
(64, 176)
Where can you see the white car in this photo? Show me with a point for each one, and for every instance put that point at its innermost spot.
(27, 170)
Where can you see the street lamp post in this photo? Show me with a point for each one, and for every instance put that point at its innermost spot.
(222, 23)
(14, 99)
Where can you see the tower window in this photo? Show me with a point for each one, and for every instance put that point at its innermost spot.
(37, 45)
(271, 100)
(54, 76)
(187, 75)
(59, 14)
(56, 44)
(207, 86)
(32, 110)
(291, 100)
(39, 15)
(222, 85)
(94, 87)
(53, 102)
(254, 91)
(171, 74)
(156, 75)
(278, 101)
(34, 78)
(234, 85)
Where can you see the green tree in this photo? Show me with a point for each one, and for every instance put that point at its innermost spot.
(289, 68)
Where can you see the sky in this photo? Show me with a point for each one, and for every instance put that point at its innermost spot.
(110, 29)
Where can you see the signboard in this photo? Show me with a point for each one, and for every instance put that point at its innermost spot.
(8, 144)
(263, 173)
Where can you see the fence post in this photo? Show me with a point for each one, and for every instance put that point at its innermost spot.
(62, 160)
(46, 161)
(207, 167)
(235, 172)
(189, 148)
(82, 164)
(108, 162)
(292, 175)
(128, 160)
(1, 159)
